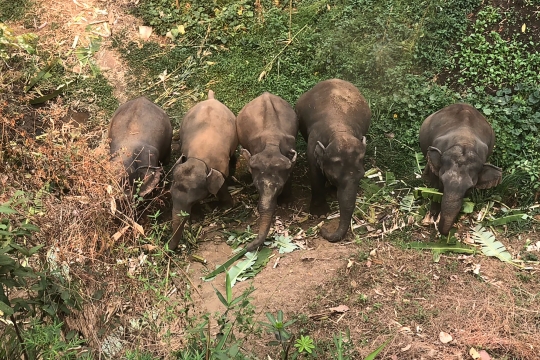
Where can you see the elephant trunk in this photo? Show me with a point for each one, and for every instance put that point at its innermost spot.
(346, 199)
(450, 208)
(267, 207)
(178, 223)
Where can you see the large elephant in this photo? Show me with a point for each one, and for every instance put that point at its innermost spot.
(208, 141)
(456, 142)
(334, 119)
(267, 128)
(140, 135)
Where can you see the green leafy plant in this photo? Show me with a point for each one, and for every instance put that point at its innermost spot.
(304, 344)
(278, 327)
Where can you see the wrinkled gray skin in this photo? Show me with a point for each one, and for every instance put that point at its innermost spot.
(140, 136)
(456, 142)
(334, 118)
(267, 128)
(208, 140)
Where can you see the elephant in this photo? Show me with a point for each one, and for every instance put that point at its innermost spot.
(456, 142)
(140, 135)
(334, 119)
(267, 128)
(208, 141)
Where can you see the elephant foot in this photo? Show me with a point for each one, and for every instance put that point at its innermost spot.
(331, 236)
(320, 209)
(253, 246)
(226, 204)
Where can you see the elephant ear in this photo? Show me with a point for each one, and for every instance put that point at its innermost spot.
(214, 181)
(320, 151)
(434, 159)
(247, 155)
(489, 177)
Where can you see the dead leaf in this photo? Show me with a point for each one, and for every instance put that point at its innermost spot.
(340, 309)
(445, 337)
(523, 28)
(354, 284)
(406, 348)
(474, 354)
(119, 234)
(113, 206)
(145, 32)
(138, 227)
(148, 247)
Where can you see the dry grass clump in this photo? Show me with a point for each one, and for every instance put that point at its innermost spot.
(415, 299)
(85, 220)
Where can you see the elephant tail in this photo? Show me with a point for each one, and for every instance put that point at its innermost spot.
(210, 94)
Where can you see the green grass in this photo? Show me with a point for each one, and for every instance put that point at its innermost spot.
(14, 10)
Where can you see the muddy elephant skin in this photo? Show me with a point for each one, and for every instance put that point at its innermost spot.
(456, 142)
(267, 129)
(208, 141)
(140, 135)
(334, 119)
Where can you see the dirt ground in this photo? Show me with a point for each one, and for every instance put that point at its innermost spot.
(391, 292)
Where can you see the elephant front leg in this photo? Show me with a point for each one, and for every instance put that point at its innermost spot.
(318, 206)
(224, 197)
(286, 195)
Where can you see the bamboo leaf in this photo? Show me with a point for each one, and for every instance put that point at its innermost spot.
(508, 219)
(224, 266)
(241, 267)
(490, 246)
(7, 210)
(40, 75)
(428, 193)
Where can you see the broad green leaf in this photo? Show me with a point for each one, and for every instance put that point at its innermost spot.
(428, 193)
(407, 203)
(224, 266)
(237, 270)
(467, 207)
(6, 260)
(30, 227)
(490, 246)
(5, 309)
(4, 209)
(508, 219)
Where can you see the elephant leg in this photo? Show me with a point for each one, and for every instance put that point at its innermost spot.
(286, 195)
(232, 169)
(318, 206)
(435, 209)
(224, 197)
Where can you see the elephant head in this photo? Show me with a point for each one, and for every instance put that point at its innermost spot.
(192, 182)
(270, 170)
(459, 169)
(342, 163)
(142, 168)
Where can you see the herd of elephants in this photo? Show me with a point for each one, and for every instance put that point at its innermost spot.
(333, 117)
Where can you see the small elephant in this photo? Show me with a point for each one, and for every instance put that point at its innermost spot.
(456, 142)
(267, 128)
(334, 119)
(208, 141)
(140, 135)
